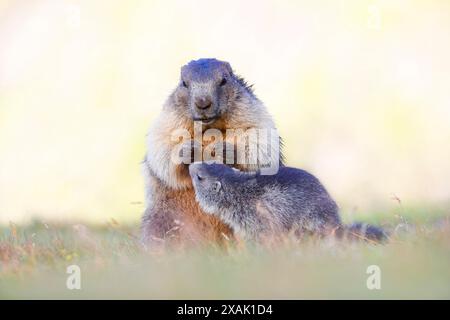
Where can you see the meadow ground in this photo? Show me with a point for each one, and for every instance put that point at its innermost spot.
(414, 264)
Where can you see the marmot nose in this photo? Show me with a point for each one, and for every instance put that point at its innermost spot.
(203, 103)
(194, 169)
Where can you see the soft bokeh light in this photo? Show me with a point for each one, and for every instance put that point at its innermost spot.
(360, 91)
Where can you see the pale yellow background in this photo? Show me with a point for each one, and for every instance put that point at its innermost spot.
(359, 91)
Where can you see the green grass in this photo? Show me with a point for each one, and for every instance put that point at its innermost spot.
(33, 261)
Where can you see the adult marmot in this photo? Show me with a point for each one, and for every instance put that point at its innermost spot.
(210, 94)
(259, 206)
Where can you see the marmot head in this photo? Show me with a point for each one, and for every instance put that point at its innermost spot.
(207, 89)
(218, 186)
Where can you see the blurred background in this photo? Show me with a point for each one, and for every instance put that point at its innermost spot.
(360, 91)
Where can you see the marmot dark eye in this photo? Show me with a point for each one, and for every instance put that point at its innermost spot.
(184, 84)
(223, 82)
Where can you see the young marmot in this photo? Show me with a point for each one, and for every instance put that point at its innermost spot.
(256, 205)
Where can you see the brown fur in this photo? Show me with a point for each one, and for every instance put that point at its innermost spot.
(180, 218)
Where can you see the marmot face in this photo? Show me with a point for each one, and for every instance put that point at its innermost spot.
(208, 187)
(219, 187)
(206, 89)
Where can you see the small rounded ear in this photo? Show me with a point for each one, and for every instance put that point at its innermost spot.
(228, 68)
(217, 186)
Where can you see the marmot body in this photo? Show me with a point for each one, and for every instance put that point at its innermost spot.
(210, 93)
(256, 205)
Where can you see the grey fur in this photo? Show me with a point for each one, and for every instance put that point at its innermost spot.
(256, 205)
